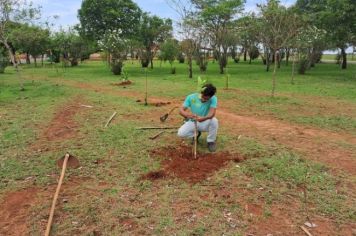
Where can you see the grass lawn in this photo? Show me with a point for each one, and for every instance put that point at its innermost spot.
(289, 159)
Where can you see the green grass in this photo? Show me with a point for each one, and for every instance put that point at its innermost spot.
(324, 98)
(333, 57)
(286, 172)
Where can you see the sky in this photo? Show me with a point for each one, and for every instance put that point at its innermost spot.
(67, 10)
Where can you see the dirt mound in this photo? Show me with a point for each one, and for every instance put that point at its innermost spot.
(153, 175)
(159, 104)
(72, 162)
(156, 103)
(63, 126)
(179, 162)
(14, 211)
(123, 83)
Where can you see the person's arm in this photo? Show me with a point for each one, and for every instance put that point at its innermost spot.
(210, 115)
(185, 112)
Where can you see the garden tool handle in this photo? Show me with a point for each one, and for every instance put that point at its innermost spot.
(49, 224)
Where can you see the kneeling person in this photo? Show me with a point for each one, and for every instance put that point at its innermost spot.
(202, 108)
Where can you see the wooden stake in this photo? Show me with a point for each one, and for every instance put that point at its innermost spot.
(143, 128)
(146, 93)
(306, 231)
(195, 138)
(107, 123)
(49, 224)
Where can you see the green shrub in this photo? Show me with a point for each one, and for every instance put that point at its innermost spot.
(116, 67)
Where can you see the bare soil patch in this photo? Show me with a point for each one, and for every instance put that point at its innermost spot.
(123, 83)
(128, 224)
(14, 211)
(178, 162)
(156, 103)
(63, 126)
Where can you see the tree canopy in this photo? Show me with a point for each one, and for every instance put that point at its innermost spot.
(99, 17)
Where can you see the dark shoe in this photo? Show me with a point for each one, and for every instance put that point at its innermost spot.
(212, 146)
(198, 136)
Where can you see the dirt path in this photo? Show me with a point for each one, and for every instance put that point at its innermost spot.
(63, 125)
(317, 144)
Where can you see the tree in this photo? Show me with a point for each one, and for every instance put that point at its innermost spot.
(112, 22)
(153, 31)
(31, 40)
(337, 17)
(188, 47)
(70, 46)
(277, 27)
(169, 52)
(98, 17)
(117, 47)
(309, 44)
(249, 35)
(189, 30)
(216, 19)
(14, 11)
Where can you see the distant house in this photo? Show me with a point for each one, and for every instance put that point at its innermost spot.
(95, 57)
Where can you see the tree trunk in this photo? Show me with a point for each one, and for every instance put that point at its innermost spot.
(34, 58)
(245, 55)
(28, 61)
(268, 61)
(274, 75)
(108, 59)
(151, 62)
(278, 58)
(42, 56)
(221, 66)
(14, 63)
(293, 67)
(287, 56)
(190, 67)
(344, 59)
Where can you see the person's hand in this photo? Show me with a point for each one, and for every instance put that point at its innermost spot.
(192, 116)
(199, 119)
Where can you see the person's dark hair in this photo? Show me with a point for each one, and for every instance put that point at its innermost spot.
(208, 90)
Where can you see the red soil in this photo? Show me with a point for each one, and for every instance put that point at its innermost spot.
(14, 211)
(123, 83)
(63, 126)
(179, 162)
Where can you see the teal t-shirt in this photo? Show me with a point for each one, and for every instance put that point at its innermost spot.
(197, 107)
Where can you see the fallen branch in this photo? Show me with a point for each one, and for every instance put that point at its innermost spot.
(112, 117)
(143, 128)
(306, 231)
(157, 135)
(87, 106)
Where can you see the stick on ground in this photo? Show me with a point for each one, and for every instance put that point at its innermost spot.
(157, 135)
(172, 127)
(306, 231)
(112, 117)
